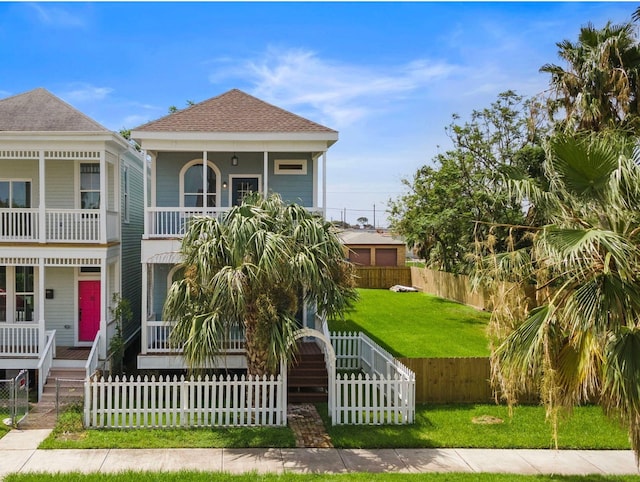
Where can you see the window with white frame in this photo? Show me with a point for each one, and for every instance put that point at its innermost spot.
(15, 193)
(291, 166)
(125, 193)
(192, 187)
(17, 296)
(90, 186)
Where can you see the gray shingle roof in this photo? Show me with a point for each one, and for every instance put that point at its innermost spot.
(39, 110)
(233, 111)
(367, 237)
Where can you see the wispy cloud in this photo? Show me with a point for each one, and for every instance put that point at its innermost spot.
(342, 93)
(81, 92)
(57, 16)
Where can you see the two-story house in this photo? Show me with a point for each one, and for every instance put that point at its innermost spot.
(204, 159)
(70, 229)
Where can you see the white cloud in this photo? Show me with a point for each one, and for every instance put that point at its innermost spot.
(57, 16)
(341, 93)
(81, 92)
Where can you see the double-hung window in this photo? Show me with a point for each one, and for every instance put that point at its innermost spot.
(90, 186)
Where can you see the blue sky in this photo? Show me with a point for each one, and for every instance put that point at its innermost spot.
(387, 76)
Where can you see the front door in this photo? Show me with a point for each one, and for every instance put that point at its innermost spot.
(88, 310)
(241, 187)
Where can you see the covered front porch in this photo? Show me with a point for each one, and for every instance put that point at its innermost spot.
(54, 308)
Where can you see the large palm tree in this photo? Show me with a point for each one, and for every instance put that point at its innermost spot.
(600, 87)
(255, 267)
(582, 342)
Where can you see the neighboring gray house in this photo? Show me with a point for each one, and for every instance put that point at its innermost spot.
(204, 159)
(70, 227)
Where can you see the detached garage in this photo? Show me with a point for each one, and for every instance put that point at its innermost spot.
(373, 248)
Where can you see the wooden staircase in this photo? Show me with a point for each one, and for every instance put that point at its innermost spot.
(307, 379)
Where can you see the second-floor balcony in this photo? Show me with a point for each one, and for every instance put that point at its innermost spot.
(58, 225)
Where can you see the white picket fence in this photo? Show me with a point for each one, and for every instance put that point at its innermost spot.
(178, 402)
(384, 394)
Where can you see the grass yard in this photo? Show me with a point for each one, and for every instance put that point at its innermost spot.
(439, 426)
(417, 325)
(436, 426)
(292, 477)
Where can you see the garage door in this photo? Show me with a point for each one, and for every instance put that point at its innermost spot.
(386, 257)
(361, 256)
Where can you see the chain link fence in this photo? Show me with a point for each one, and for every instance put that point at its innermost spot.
(14, 399)
(69, 391)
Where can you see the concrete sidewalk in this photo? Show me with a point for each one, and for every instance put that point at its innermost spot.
(19, 453)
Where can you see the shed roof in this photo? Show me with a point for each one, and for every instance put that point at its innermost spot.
(356, 236)
(233, 111)
(39, 110)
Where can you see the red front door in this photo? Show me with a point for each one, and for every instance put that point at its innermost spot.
(88, 310)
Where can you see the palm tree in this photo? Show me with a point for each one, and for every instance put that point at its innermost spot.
(600, 87)
(253, 268)
(582, 342)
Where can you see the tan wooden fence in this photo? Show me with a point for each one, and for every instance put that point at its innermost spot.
(383, 277)
(451, 380)
(451, 286)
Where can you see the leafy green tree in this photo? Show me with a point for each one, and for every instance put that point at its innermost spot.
(599, 87)
(581, 343)
(252, 268)
(439, 215)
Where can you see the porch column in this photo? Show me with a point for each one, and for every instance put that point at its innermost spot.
(316, 181)
(144, 342)
(42, 233)
(103, 198)
(104, 308)
(265, 174)
(40, 298)
(324, 183)
(205, 201)
(145, 186)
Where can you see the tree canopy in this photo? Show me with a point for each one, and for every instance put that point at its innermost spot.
(466, 184)
(581, 342)
(255, 267)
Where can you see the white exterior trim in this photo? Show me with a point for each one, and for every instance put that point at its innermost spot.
(236, 176)
(216, 170)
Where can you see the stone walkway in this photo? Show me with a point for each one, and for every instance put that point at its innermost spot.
(307, 426)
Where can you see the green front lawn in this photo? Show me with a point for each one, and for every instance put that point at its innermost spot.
(417, 325)
(453, 426)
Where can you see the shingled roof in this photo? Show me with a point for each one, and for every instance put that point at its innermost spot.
(233, 111)
(40, 111)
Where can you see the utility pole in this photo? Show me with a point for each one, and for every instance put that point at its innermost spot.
(374, 216)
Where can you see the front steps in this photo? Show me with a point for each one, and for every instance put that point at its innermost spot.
(307, 379)
(70, 386)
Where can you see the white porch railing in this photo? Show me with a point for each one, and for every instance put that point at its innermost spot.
(18, 224)
(169, 222)
(46, 361)
(73, 225)
(173, 402)
(91, 365)
(19, 339)
(158, 333)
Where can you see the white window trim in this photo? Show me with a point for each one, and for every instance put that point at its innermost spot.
(126, 193)
(78, 194)
(236, 176)
(11, 180)
(11, 294)
(278, 169)
(210, 164)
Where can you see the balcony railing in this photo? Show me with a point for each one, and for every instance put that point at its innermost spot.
(158, 333)
(19, 339)
(172, 222)
(60, 225)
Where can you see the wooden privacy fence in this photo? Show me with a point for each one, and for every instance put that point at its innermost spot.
(451, 286)
(178, 402)
(451, 380)
(382, 277)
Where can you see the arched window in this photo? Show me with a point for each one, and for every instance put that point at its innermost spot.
(191, 184)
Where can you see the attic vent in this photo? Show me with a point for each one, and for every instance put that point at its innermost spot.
(291, 166)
